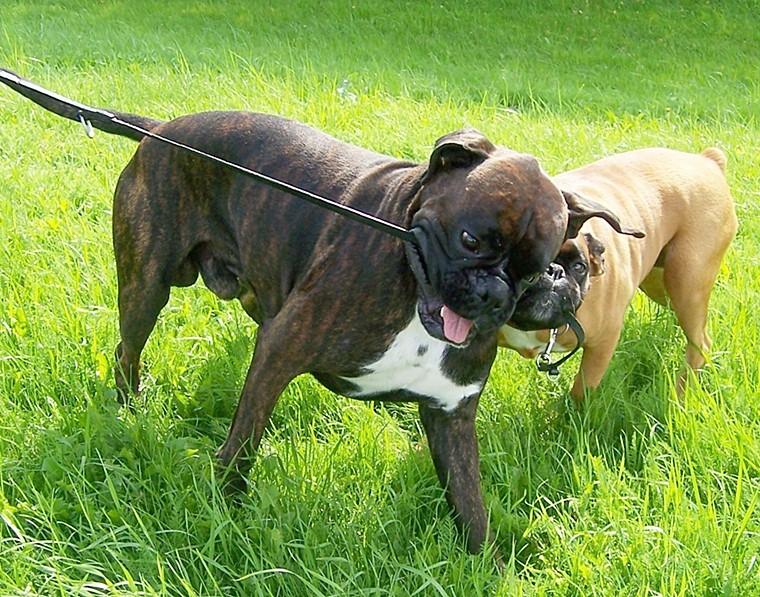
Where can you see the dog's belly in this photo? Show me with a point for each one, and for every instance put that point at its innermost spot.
(413, 364)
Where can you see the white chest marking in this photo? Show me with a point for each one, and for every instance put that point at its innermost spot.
(413, 363)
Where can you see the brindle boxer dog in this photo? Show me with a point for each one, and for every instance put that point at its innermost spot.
(368, 315)
(683, 204)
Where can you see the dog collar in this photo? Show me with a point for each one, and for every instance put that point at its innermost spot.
(544, 359)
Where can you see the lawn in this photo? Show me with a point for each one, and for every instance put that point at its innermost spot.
(641, 493)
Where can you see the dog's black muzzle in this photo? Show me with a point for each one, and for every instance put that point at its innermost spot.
(545, 304)
(458, 292)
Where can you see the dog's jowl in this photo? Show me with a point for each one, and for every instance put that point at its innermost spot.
(367, 314)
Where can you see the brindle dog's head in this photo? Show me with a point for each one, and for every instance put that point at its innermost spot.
(488, 222)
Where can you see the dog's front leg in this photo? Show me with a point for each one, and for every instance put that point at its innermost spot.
(270, 372)
(454, 448)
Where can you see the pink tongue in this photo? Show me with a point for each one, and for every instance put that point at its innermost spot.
(455, 327)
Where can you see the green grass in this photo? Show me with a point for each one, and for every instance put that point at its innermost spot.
(643, 493)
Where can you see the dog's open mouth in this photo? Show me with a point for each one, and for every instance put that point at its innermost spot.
(456, 328)
(439, 320)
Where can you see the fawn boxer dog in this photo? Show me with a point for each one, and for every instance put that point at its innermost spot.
(683, 204)
(370, 316)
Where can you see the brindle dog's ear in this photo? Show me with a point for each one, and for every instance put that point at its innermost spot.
(459, 149)
(580, 209)
(595, 254)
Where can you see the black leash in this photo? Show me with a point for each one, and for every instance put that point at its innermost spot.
(86, 114)
(544, 360)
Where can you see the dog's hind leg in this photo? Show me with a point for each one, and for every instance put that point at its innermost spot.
(140, 302)
(689, 298)
(689, 285)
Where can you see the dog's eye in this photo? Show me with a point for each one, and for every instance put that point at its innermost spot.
(470, 242)
(580, 268)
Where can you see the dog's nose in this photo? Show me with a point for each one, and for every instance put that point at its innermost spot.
(500, 297)
(497, 291)
(557, 272)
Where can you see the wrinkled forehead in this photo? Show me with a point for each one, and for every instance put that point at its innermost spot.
(521, 174)
(529, 208)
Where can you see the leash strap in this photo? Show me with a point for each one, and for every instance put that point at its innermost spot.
(544, 360)
(87, 114)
